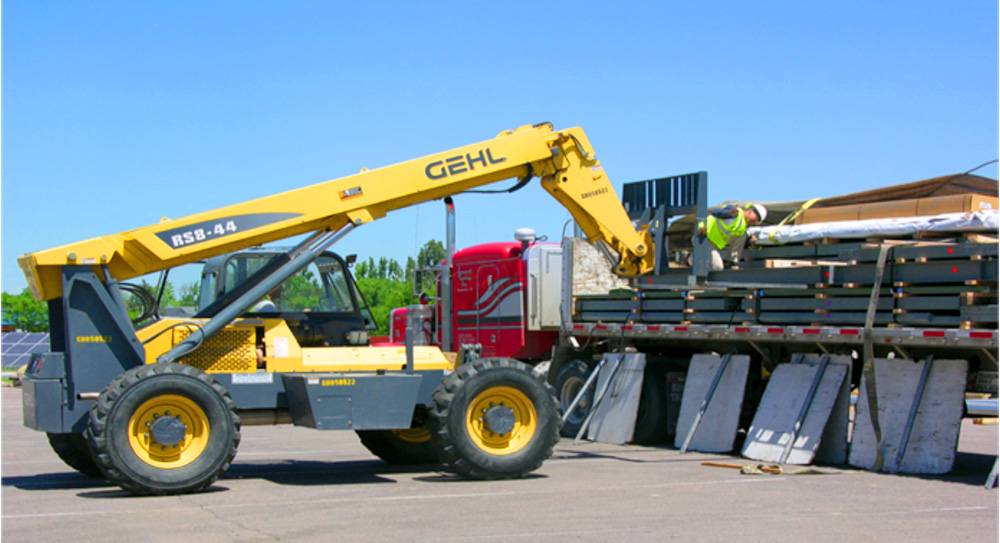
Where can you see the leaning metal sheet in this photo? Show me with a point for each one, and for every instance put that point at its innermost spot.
(774, 425)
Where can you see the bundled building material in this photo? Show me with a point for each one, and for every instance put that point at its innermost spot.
(911, 207)
(979, 221)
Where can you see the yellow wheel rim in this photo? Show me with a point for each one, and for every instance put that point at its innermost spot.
(525, 420)
(414, 435)
(145, 446)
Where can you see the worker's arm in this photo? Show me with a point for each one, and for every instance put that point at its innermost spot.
(564, 160)
(725, 212)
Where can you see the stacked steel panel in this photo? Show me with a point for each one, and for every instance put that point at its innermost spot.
(922, 285)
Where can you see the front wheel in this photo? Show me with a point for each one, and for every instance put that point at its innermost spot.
(495, 419)
(163, 429)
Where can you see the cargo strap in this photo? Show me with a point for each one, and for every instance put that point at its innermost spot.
(869, 355)
(791, 218)
(756, 469)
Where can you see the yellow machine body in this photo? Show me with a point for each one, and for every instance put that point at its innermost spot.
(234, 350)
(563, 159)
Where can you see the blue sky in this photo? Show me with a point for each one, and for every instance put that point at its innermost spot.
(115, 114)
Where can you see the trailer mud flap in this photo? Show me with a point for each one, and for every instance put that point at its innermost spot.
(352, 401)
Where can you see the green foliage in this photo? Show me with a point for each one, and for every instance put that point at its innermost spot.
(189, 294)
(431, 254)
(386, 285)
(301, 292)
(384, 268)
(24, 312)
(384, 295)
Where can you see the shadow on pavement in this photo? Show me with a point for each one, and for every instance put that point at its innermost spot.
(309, 473)
(291, 472)
(69, 480)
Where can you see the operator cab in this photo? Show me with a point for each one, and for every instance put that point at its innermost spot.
(321, 304)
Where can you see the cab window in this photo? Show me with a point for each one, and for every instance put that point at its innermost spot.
(321, 286)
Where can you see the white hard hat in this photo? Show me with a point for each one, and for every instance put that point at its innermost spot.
(761, 211)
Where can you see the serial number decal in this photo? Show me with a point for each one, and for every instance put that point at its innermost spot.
(201, 232)
(461, 164)
(350, 193)
(337, 382)
(253, 378)
(597, 192)
(93, 339)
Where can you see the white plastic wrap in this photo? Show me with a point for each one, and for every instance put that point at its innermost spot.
(987, 220)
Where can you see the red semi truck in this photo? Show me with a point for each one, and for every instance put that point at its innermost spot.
(505, 297)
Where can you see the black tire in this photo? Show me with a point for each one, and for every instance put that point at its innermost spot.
(461, 414)
(403, 447)
(74, 451)
(570, 379)
(651, 419)
(205, 417)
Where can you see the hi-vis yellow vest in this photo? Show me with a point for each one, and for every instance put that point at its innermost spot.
(719, 233)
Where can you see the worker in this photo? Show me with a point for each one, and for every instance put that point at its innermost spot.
(269, 302)
(726, 231)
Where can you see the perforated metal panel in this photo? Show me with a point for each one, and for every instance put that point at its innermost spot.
(231, 350)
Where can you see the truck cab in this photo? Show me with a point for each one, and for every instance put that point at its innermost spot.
(505, 298)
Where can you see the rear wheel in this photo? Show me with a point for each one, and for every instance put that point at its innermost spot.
(164, 429)
(412, 446)
(495, 419)
(74, 451)
(569, 381)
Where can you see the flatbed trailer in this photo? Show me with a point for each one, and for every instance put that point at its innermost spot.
(869, 299)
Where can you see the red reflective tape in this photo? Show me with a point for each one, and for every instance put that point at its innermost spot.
(680, 328)
(849, 332)
(742, 329)
(810, 330)
(578, 327)
(981, 335)
(627, 327)
(933, 333)
(653, 328)
(601, 327)
(775, 330)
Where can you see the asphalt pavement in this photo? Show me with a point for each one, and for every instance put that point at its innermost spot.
(296, 484)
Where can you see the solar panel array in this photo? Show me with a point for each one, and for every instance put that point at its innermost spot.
(16, 347)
